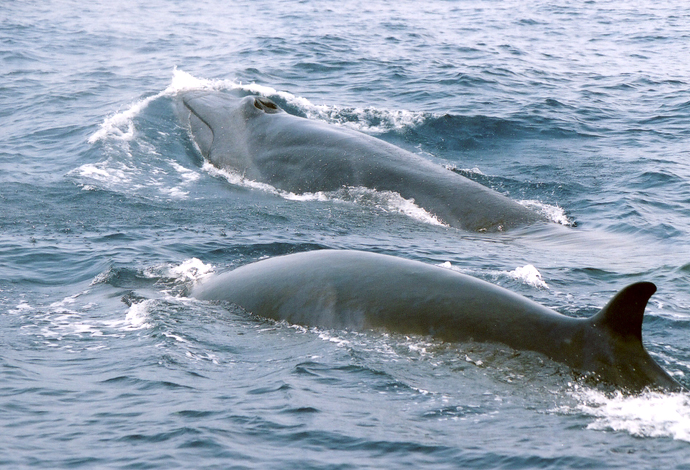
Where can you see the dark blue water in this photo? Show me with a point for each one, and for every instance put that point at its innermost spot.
(109, 215)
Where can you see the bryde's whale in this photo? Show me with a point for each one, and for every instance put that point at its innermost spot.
(254, 137)
(342, 289)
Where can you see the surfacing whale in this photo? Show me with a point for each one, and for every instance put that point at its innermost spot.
(340, 289)
(254, 137)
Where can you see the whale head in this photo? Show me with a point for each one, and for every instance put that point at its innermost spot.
(215, 118)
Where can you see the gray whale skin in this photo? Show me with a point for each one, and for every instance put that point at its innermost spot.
(343, 289)
(254, 137)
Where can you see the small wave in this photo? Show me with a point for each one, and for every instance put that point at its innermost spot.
(187, 175)
(387, 201)
(173, 280)
(237, 179)
(166, 275)
(120, 126)
(651, 414)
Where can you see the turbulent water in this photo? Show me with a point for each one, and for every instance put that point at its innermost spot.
(109, 215)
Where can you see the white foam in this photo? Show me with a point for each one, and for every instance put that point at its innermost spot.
(529, 275)
(175, 192)
(188, 175)
(387, 201)
(107, 173)
(137, 315)
(332, 338)
(21, 308)
(238, 179)
(471, 171)
(651, 414)
(61, 304)
(452, 267)
(72, 317)
(553, 213)
(120, 126)
(192, 270)
(476, 362)
(63, 319)
(131, 175)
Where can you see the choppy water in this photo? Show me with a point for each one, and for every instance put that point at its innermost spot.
(109, 215)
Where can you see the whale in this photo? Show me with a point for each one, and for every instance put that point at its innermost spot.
(253, 137)
(361, 291)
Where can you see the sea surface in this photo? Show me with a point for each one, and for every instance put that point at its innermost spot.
(109, 215)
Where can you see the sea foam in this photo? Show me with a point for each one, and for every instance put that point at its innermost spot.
(387, 201)
(651, 414)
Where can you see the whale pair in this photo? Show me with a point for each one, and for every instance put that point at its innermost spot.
(342, 289)
(252, 136)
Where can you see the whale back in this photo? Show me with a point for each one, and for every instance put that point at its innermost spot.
(253, 137)
(357, 290)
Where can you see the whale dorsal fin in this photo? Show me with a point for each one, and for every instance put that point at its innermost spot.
(624, 312)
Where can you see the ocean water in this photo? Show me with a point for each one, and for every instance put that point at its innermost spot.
(109, 215)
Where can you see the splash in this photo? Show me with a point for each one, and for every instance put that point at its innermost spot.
(651, 414)
(137, 316)
(553, 213)
(191, 270)
(529, 275)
